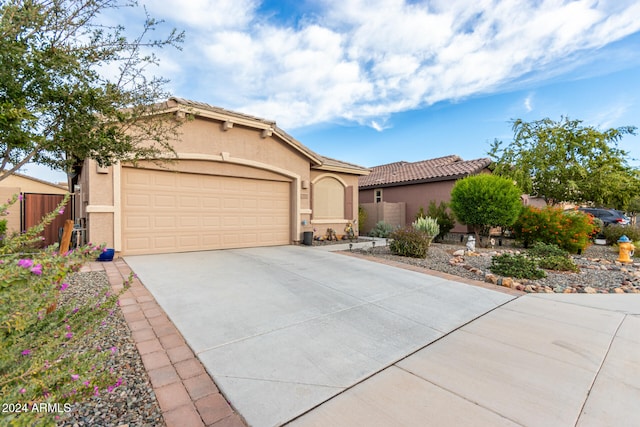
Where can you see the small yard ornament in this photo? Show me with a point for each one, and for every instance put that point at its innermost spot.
(471, 244)
(626, 249)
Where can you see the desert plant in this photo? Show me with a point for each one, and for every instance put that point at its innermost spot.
(44, 356)
(427, 225)
(544, 250)
(445, 218)
(570, 230)
(558, 263)
(409, 242)
(613, 233)
(362, 218)
(382, 229)
(517, 266)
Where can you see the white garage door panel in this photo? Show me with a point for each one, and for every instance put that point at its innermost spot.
(171, 212)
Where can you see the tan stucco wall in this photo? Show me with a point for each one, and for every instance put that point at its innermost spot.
(13, 219)
(27, 185)
(349, 216)
(239, 151)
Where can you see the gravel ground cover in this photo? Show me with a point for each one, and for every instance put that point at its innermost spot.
(599, 270)
(133, 403)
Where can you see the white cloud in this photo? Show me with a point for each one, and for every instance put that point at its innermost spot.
(362, 60)
(528, 103)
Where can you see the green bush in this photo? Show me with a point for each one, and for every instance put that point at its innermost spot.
(558, 263)
(44, 331)
(362, 219)
(570, 231)
(382, 229)
(3, 230)
(613, 233)
(446, 220)
(409, 242)
(544, 250)
(517, 266)
(484, 201)
(427, 225)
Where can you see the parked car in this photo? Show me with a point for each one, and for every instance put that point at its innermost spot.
(608, 216)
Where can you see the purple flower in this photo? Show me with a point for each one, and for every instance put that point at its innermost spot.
(75, 310)
(61, 211)
(37, 269)
(69, 335)
(25, 263)
(64, 286)
(23, 391)
(114, 350)
(20, 197)
(96, 391)
(87, 383)
(75, 377)
(26, 352)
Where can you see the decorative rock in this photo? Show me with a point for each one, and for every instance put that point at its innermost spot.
(459, 252)
(507, 282)
(589, 290)
(491, 278)
(529, 288)
(618, 291)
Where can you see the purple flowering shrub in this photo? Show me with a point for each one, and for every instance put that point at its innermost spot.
(42, 329)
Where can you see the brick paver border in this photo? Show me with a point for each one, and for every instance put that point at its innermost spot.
(185, 392)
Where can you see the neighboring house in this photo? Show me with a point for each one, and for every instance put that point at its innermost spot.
(39, 198)
(395, 192)
(239, 181)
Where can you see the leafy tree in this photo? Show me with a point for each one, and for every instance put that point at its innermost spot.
(484, 201)
(58, 103)
(566, 161)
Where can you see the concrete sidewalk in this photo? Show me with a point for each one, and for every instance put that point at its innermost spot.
(540, 360)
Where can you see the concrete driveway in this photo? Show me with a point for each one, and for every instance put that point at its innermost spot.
(283, 329)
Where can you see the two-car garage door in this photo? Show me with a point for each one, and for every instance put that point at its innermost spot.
(178, 212)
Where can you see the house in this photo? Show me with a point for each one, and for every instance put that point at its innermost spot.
(39, 198)
(238, 181)
(395, 192)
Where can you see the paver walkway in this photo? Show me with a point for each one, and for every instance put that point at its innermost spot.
(187, 395)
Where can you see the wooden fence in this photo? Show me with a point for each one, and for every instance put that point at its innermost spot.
(35, 206)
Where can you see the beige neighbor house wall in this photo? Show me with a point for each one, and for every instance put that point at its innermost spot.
(215, 143)
(18, 183)
(393, 214)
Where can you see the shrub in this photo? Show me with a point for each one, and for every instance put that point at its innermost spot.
(409, 242)
(445, 219)
(517, 266)
(544, 250)
(570, 231)
(3, 230)
(44, 356)
(483, 201)
(427, 225)
(362, 219)
(382, 229)
(613, 233)
(558, 263)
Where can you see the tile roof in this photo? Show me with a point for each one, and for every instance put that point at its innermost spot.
(438, 169)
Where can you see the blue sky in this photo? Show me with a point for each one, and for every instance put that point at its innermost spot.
(377, 81)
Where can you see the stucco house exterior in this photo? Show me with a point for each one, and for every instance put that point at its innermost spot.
(395, 192)
(239, 181)
(18, 183)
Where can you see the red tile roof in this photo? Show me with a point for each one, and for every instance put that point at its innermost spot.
(438, 169)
